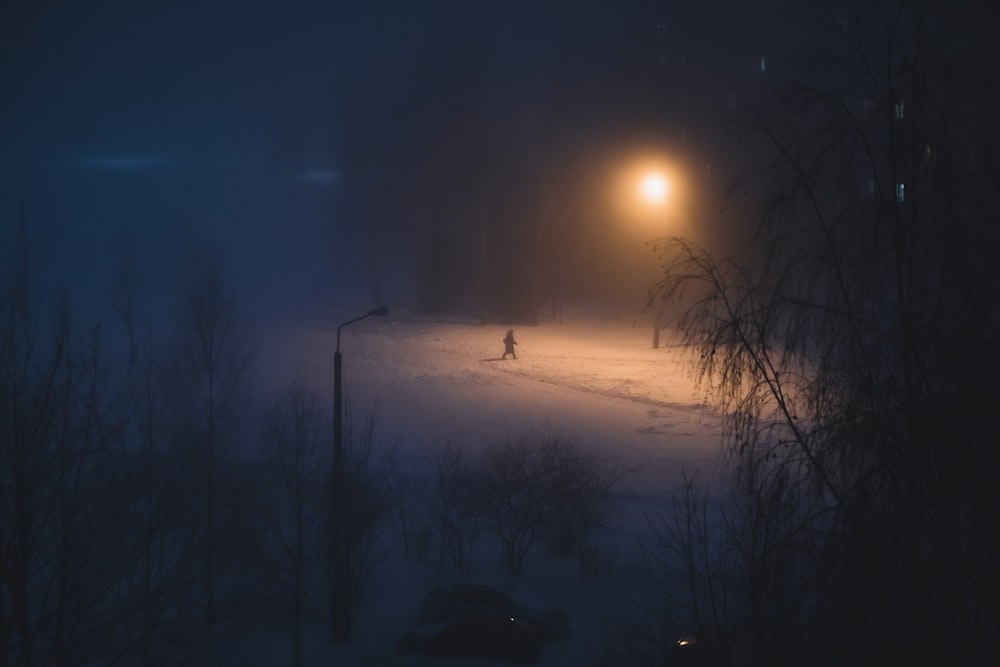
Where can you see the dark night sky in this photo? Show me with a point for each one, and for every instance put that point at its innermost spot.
(166, 119)
(237, 121)
(216, 83)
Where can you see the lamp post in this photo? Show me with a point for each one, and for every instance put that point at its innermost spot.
(340, 583)
(654, 188)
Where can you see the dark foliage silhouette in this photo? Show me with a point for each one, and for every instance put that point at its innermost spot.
(854, 349)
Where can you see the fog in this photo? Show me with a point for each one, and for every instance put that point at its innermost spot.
(342, 152)
(218, 186)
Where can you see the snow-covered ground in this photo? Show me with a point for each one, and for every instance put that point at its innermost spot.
(592, 379)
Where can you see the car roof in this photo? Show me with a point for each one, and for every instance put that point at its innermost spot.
(476, 585)
(516, 595)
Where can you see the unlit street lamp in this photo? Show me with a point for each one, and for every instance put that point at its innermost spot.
(340, 583)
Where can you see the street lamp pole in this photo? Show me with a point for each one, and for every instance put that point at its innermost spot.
(655, 188)
(340, 583)
(658, 317)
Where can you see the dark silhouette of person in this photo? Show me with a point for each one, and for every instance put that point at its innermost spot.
(508, 344)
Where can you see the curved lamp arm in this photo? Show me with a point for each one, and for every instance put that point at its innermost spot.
(380, 311)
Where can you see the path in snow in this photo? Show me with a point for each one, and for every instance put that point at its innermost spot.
(595, 381)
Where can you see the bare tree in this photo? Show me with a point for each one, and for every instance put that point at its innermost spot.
(449, 515)
(371, 501)
(57, 432)
(513, 478)
(539, 484)
(692, 573)
(583, 488)
(126, 293)
(840, 348)
(731, 572)
(297, 455)
(156, 599)
(209, 378)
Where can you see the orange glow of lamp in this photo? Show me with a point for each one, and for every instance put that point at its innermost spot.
(654, 188)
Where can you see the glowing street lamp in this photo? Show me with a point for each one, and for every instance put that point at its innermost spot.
(340, 581)
(654, 188)
(651, 186)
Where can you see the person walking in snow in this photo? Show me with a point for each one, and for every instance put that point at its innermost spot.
(508, 344)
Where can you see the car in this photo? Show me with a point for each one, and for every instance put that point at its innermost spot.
(475, 637)
(473, 600)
